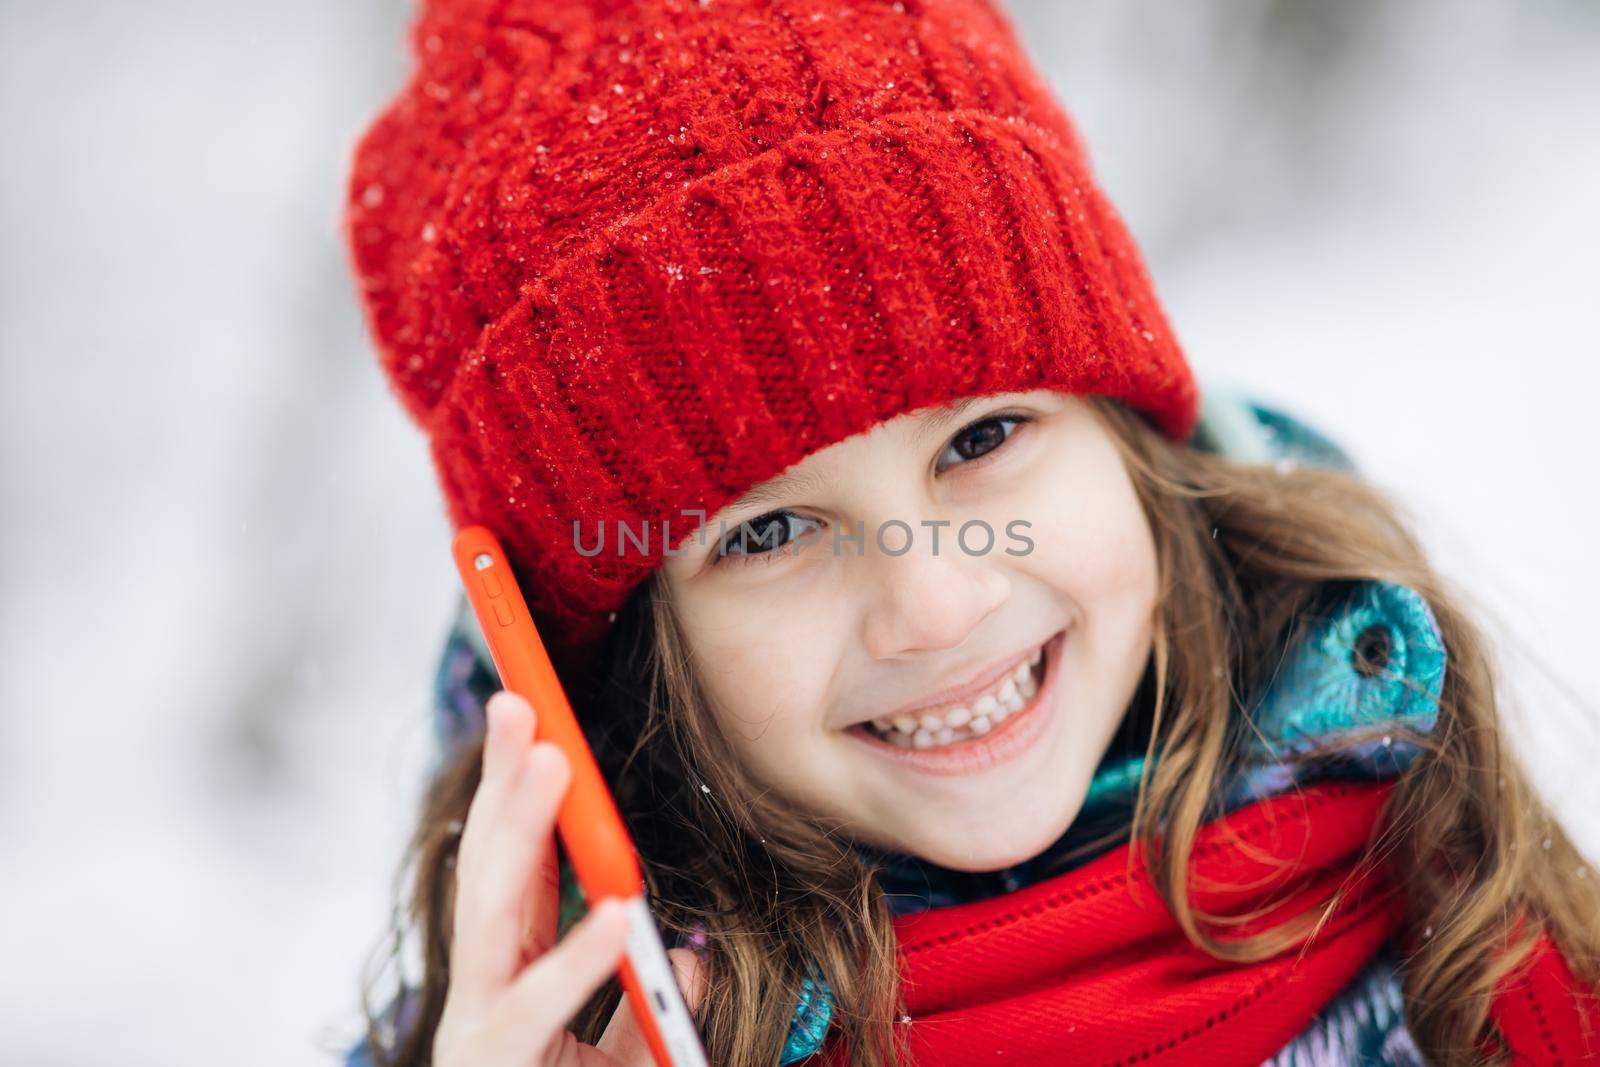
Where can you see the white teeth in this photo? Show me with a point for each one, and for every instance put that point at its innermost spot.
(926, 729)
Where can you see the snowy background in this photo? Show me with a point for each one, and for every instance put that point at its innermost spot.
(225, 567)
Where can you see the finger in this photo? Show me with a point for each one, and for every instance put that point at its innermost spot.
(493, 891)
(541, 909)
(508, 730)
(623, 1039)
(509, 724)
(546, 995)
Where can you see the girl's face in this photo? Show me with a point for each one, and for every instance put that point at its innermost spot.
(930, 630)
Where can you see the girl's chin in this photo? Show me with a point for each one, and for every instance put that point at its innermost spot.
(990, 843)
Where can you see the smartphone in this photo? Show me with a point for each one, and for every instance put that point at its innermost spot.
(590, 826)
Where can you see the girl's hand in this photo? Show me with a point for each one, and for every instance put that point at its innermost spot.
(512, 988)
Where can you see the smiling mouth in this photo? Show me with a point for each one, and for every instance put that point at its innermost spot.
(962, 722)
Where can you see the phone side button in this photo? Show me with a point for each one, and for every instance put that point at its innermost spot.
(491, 583)
(502, 613)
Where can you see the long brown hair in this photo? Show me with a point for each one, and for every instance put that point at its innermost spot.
(1243, 550)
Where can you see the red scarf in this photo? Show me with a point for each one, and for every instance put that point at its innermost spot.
(1090, 966)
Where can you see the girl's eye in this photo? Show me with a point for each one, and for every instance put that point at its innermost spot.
(980, 439)
(764, 535)
(758, 536)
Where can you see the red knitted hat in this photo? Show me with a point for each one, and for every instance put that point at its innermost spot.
(627, 258)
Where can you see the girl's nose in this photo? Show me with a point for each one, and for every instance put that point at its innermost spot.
(924, 600)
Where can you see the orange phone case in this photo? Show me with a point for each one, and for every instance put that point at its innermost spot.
(591, 828)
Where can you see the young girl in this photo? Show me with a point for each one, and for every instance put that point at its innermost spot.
(974, 691)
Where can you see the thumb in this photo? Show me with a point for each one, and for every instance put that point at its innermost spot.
(623, 1040)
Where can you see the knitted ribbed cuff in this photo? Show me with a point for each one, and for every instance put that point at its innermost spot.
(774, 307)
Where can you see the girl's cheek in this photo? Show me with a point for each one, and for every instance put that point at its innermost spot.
(1096, 570)
(759, 695)
(764, 664)
(1100, 548)
(1128, 571)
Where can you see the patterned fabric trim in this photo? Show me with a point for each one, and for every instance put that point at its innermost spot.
(1363, 1025)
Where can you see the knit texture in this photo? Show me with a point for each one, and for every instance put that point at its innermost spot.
(624, 260)
(1092, 961)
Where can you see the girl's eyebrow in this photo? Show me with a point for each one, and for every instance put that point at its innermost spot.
(931, 422)
(936, 419)
(777, 488)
